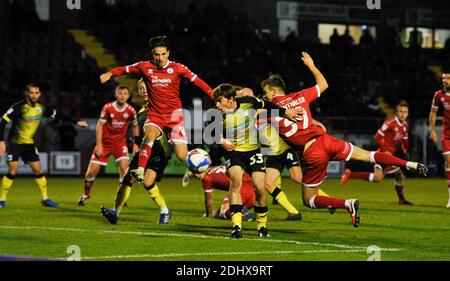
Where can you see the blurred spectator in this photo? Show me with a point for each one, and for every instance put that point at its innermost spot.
(415, 39)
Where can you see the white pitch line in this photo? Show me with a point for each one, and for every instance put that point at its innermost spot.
(165, 234)
(224, 254)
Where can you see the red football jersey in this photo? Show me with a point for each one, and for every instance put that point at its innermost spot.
(441, 100)
(300, 132)
(216, 178)
(163, 84)
(117, 121)
(393, 136)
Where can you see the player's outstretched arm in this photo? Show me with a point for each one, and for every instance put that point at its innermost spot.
(320, 79)
(105, 77)
(121, 70)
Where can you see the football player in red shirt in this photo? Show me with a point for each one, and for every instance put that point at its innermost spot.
(216, 178)
(111, 136)
(316, 146)
(441, 100)
(392, 138)
(162, 78)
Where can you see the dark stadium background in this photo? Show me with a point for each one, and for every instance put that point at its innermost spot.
(231, 41)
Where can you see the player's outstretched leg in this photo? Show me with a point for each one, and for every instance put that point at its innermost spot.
(313, 200)
(109, 214)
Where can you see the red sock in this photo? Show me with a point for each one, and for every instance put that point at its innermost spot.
(388, 159)
(144, 154)
(321, 202)
(87, 187)
(360, 175)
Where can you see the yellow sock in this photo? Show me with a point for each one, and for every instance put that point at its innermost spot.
(278, 182)
(236, 219)
(157, 197)
(42, 183)
(284, 202)
(123, 193)
(261, 216)
(323, 193)
(4, 188)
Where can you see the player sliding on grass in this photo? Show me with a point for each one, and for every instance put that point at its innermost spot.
(316, 146)
(111, 137)
(243, 151)
(216, 178)
(25, 118)
(441, 100)
(162, 78)
(392, 138)
(153, 172)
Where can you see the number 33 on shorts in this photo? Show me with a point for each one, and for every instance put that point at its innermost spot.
(257, 158)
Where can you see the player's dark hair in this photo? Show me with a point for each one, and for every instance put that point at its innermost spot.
(224, 90)
(402, 103)
(274, 80)
(122, 87)
(159, 41)
(31, 85)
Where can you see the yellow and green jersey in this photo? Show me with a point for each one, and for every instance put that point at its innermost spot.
(25, 120)
(270, 139)
(240, 125)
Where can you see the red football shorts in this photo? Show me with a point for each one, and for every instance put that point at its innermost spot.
(119, 152)
(445, 145)
(173, 123)
(319, 154)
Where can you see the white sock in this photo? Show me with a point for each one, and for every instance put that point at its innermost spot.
(348, 204)
(164, 210)
(371, 176)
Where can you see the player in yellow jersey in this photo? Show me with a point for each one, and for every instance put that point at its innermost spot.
(25, 118)
(278, 155)
(243, 150)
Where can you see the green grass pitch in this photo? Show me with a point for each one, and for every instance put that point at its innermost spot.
(419, 232)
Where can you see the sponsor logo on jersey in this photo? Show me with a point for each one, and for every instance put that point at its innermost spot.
(156, 81)
(150, 71)
(118, 124)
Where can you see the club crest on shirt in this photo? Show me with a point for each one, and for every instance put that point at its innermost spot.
(170, 70)
(125, 115)
(40, 110)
